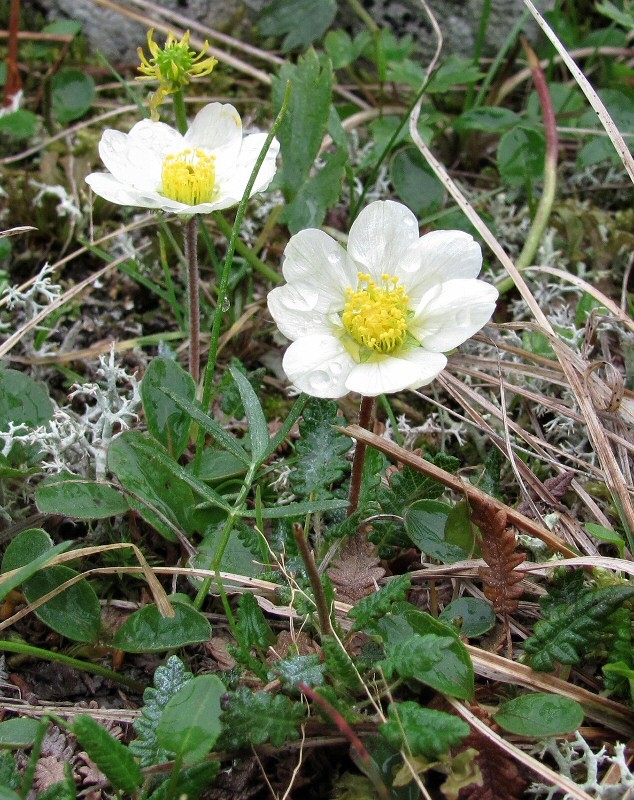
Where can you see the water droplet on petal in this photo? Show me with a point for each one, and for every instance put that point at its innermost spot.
(226, 304)
(333, 258)
(319, 380)
(335, 369)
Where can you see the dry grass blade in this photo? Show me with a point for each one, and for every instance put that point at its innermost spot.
(585, 86)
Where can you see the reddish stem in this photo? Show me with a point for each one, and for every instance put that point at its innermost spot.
(14, 81)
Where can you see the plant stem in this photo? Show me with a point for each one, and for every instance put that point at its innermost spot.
(75, 663)
(179, 111)
(248, 254)
(365, 419)
(193, 294)
(323, 612)
(545, 205)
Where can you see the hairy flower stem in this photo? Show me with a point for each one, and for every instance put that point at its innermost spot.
(366, 411)
(179, 111)
(323, 612)
(545, 205)
(191, 255)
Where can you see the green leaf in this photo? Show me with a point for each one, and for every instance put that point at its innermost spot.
(441, 662)
(477, 616)
(341, 49)
(73, 496)
(111, 756)
(540, 715)
(301, 22)
(231, 402)
(190, 723)
(415, 182)
(168, 679)
(191, 782)
(146, 631)
(253, 629)
(425, 523)
(20, 732)
(216, 466)
(253, 718)
(378, 604)
(304, 669)
(297, 509)
(606, 535)
(489, 119)
(22, 401)
(19, 125)
(72, 94)
(455, 72)
(422, 731)
(320, 450)
(316, 195)
(8, 794)
(167, 421)
(258, 428)
(303, 128)
(521, 155)
(32, 565)
(619, 16)
(10, 777)
(75, 612)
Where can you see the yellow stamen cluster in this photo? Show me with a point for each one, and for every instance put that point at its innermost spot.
(374, 315)
(189, 177)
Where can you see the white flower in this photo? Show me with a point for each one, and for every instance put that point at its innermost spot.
(377, 318)
(207, 169)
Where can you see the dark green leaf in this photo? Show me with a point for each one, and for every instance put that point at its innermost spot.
(377, 604)
(253, 628)
(455, 72)
(343, 50)
(297, 509)
(113, 758)
(146, 631)
(476, 616)
(316, 195)
(191, 782)
(72, 94)
(489, 119)
(304, 669)
(306, 119)
(166, 421)
(22, 401)
(190, 723)
(520, 156)
(606, 535)
(9, 775)
(217, 466)
(258, 428)
(425, 523)
(19, 125)
(422, 731)
(32, 565)
(415, 182)
(20, 732)
(301, 22)
(73, 496)
(168, 679)
(539, 715)
(253, 718)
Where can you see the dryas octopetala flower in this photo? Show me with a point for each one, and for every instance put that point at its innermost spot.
(378, 317)
(173, 65)
(207, 169)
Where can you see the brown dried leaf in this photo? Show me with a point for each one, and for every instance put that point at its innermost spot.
(500, 577)
(356, 571)
(48, 772)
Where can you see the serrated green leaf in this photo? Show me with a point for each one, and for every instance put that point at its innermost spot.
(378, 603)
(306, 119)
(253, 629)
(190, 722)
(320, 450)
(10, 777)
(304, 669)
(455, 72)
(191, 782)
(146, 631)
(422, 731)
(316, 195)
(301, 22)
(339, 664)
(258, 428)
(73, 496)
(253, 718)
(539, 715)
(167, 421)
(113, 758)
(168, 679)
(521, 155)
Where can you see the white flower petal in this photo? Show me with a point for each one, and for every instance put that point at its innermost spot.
(316, 259)
(437, 257)
(296, 313)
(379, 237)
(136, 158)
(232, 175)
(108, 187)
(217, 128)
(318, 365)
(393, 374)
(451, 312)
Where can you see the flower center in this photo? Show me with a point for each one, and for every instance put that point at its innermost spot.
(189, 177)
(374, 315)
